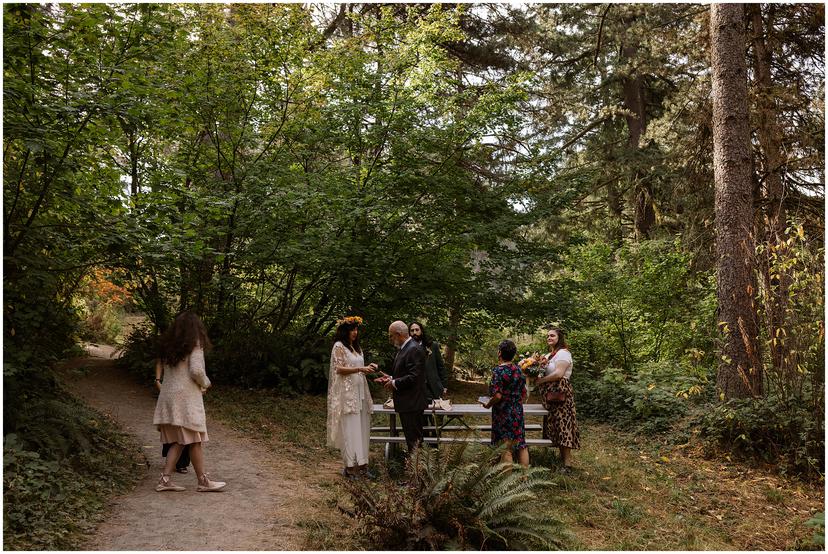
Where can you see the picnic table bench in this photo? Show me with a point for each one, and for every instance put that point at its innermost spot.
(451, 422)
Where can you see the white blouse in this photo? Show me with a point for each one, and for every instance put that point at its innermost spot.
(561, 355)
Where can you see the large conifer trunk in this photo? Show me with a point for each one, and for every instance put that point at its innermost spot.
(740, 372)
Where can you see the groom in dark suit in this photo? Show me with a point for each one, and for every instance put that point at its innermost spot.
(407, 383)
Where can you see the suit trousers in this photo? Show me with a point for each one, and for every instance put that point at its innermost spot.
(412, 424)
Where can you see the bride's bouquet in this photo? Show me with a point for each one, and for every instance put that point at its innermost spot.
(530, 365)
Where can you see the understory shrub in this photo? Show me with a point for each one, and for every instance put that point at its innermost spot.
(139, 352)
(459, 498)
(649, 400)
(102, 304)
(248, 358)
(769, 429)
(477, 360)
(60, 466)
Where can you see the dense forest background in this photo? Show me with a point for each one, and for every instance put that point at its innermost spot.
(487, 169)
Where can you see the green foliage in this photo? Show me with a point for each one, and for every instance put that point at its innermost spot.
(818, 523)
(102, 324)
(650, 401)
(56, 481)
(478, 359)
(772, 430)
(102, 305)
(794, 344)
(641, 335)
(641, 303)
(459, 498)
(139, 353)
(787, 426)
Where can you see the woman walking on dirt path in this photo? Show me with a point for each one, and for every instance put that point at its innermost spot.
(179, 412)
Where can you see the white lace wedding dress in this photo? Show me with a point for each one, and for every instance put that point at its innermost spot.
(349, 407)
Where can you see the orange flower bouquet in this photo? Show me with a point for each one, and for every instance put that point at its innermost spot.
(531, 365)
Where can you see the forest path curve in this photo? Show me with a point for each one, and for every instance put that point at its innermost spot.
(257, 510)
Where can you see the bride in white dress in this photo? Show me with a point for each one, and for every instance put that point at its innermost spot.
(349, 399)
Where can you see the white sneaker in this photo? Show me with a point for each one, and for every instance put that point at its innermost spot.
(205, 485)
(166, 484)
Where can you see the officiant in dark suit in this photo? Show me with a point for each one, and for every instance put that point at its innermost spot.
(407, 383)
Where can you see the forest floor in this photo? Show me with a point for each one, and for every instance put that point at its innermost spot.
(284, 490)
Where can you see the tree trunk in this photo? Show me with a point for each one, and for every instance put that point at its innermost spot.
(770, 141)
(616, 211)
(633, 88)
(451, 341)
(740, 371)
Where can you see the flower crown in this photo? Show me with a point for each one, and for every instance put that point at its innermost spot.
(350, 319)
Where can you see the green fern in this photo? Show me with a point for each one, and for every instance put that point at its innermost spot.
(459, 497)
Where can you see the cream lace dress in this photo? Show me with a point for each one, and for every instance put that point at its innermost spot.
(349, 407)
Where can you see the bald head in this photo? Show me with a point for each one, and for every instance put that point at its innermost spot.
(398, 333)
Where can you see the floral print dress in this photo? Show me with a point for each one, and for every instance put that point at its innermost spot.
(507, 415)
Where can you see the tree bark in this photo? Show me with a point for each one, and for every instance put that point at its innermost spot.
(633, 89)
(452, 340)
(740, 371)
(772, 159)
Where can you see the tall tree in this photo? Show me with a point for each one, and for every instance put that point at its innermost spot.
(740, 372)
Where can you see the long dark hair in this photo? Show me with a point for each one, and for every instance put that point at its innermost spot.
(186, 332)
(343, 335)
(561, 338)
(426, 341)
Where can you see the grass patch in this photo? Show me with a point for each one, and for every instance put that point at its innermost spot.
(630, 492)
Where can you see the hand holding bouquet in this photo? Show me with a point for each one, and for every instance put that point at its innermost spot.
(531, 366)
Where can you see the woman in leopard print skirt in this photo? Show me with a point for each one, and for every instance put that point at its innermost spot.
(561, 425)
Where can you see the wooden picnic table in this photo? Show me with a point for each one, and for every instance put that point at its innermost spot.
(451, 421)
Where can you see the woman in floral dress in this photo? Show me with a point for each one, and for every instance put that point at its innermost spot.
(507, 393)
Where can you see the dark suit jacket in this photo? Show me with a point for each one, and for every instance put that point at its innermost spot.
(408, 372)
(436, 376)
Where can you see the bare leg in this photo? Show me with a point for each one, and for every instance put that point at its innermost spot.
(523, 457)
(197, 457)
(506, 457)
(172, 456)
(204, 483)
(566, 456)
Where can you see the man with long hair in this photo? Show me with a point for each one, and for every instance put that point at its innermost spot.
(407, 383)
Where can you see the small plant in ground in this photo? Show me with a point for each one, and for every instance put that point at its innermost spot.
(459, 497)
(818, 523)
(626, 512)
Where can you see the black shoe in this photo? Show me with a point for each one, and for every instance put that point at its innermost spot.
(348, 475)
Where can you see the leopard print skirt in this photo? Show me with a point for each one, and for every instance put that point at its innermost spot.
(561, 425)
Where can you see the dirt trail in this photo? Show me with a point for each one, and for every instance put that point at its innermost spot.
(257, 511)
